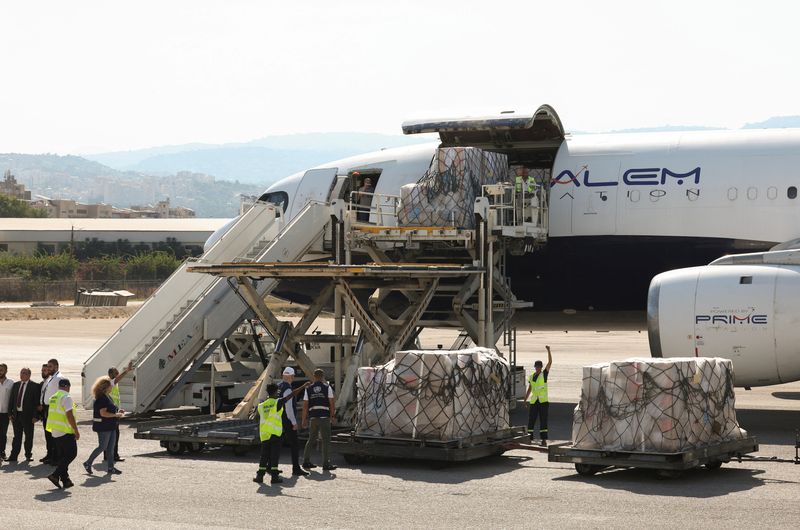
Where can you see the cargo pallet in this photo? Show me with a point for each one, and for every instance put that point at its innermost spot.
(590, 461)
(357, 449)
(193, 434)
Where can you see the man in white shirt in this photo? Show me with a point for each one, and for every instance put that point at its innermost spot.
(49, 387)
(5, 399)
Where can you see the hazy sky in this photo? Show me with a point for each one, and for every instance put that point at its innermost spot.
(89, 76)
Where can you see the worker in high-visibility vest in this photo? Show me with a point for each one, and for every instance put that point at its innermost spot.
(539, 404)
(62, 426)
(116, 377)
(270, 428)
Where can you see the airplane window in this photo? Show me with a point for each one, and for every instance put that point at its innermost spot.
(278, 198)
(745, 280)
(791, 192)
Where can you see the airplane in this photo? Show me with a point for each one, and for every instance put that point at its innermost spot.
(623, 208)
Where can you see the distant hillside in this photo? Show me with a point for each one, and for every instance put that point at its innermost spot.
(73, 177)
(261, 161)
(776, 122)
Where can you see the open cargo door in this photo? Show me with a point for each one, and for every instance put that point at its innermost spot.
(530, 139)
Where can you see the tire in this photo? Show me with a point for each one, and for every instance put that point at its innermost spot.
(175, 448)
(196, 447)
(713, 465)
(355, 460)
(587, 470)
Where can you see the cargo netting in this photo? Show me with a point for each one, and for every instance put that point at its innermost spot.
(445, 195)
(656, 405)
(434, 395)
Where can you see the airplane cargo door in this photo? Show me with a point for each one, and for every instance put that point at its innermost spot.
(316, 185)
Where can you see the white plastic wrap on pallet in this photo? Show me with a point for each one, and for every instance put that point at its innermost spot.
(656, 405)
(445, 195)
(434, 394)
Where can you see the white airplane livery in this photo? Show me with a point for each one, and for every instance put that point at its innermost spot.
(624, 208)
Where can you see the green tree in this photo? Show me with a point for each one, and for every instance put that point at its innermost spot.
(11, 207)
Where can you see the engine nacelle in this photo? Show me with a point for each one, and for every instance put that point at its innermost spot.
(747, 313)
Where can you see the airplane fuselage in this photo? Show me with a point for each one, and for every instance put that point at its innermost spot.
(624, 207)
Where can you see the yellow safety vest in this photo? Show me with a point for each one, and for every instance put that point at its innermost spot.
(538, 388)
(115, 395)
(57, 416)
(531, 185)
(270, 422)
(518, 184)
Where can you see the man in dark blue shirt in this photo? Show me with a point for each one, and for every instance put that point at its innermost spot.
(318, 408)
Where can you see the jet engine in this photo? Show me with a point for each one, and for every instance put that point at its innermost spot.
(743, 307)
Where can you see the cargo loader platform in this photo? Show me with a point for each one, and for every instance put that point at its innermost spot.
(590, 461)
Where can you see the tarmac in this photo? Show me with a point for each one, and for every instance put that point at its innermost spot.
(520, 489)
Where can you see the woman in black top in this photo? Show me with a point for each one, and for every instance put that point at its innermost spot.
(104, 424)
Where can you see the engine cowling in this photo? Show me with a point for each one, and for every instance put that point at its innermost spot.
(747, 313)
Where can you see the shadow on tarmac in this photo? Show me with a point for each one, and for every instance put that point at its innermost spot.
(35, 471)
(53, 495)
(693, 483)
(787, 395)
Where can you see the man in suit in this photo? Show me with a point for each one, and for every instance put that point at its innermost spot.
(22, 409)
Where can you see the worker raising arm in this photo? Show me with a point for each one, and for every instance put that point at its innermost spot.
(539, 404)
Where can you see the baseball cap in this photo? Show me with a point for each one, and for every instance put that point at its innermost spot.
(288, 371)
(63, 383)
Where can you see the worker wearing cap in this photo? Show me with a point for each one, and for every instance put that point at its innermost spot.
(537, 392)
(63, 428)
(270, 427)
(289, 418)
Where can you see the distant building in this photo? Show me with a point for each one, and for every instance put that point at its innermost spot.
(161, 210)
(69, 209)
(12, 188)
(26, 236)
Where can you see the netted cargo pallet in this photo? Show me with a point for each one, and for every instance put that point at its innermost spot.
(434, 395)
(656, 405)
(445, 195)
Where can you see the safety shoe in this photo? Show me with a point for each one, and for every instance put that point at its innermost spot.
(54, 479)
(298, 472)
(88, 468)
(308, 465)
(275, 479)
(258, 479)
(114, 471)
(543, 443)
(68, 483)
(329, 467)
